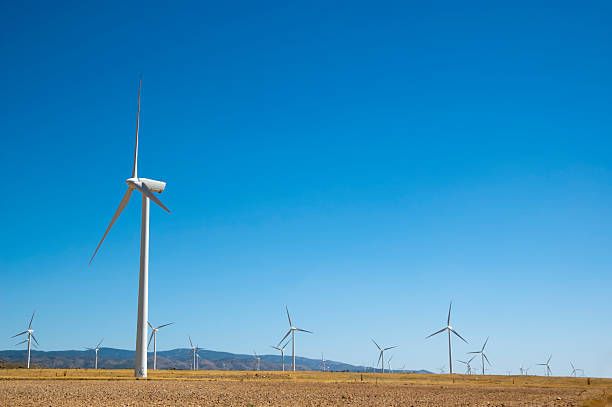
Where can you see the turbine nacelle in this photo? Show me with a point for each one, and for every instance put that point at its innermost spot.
(151, 184)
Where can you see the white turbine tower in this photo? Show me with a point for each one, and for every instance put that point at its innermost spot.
(483, 356)
(257, 360)
(547, 364)
(450, 329)
(30, 333)
(282, 351)
(291, 331)
(154, 337)
(381, 355)
(96, 349)
(146, 187)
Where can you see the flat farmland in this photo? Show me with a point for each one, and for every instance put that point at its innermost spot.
(55, 387)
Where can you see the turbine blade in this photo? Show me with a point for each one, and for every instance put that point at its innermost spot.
(100, 343)
(487, 359)
(150, 338)
(485, 344)
(549, 358)
(31, 319)
(24, 341)
(475, 352)
(449, 312)
(456, 333)
(272, 346)
(303, 330)
(21, 333)
(149, 194)
(33, 337)
(288, 317)
(135, 169)
(391, 347)
(379, 357)
(161, 326)
(124, 202)
(435, 333)
(471, 358)
(191, 343)
(286, 335)
(150, 325)
(379, 348)
(88, 348)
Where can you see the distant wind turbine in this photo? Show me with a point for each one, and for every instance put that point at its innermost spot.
(442, 369)
(96, 349)
(467, 364)
(450, 329)
(146, 187)
(257, 359)
(547, 365)
(194, 350)
(381, 355)
(322, 362)
(154, 337)
(291, 331)
(483, 356)
(31, 336)
(575, 370)
(389, 364)
(282, 351)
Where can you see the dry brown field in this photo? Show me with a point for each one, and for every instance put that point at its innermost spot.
(82, 387)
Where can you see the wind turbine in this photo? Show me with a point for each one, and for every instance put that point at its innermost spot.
(467, 364)
(257, 359)
(389, 364)
(154, 337)
(442, 369)
(322, 362)
(450, 329)
(96, 349)
(31, 336)
(194, 350)
(146, 187)
(291, 331)
(381, 356)
(574, 370)
(547, 364)
(483, 356)
(282, 351)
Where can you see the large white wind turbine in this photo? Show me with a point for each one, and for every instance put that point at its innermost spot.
(30, 333)
(282, 351)
(154, 337)
(381, 355)
(450, 329)
(146, 187)
(547, 365)
(483, 356)
(291, 331)
(96, 349)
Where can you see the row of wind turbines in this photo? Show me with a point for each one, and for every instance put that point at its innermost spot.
(292, 330)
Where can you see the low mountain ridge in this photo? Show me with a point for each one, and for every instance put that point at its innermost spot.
(111, 358)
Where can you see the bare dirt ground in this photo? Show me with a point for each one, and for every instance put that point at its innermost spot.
(307, 389)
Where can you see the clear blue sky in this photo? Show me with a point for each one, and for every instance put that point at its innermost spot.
(363, 164)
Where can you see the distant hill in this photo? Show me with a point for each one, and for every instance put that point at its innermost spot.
(111, 358)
